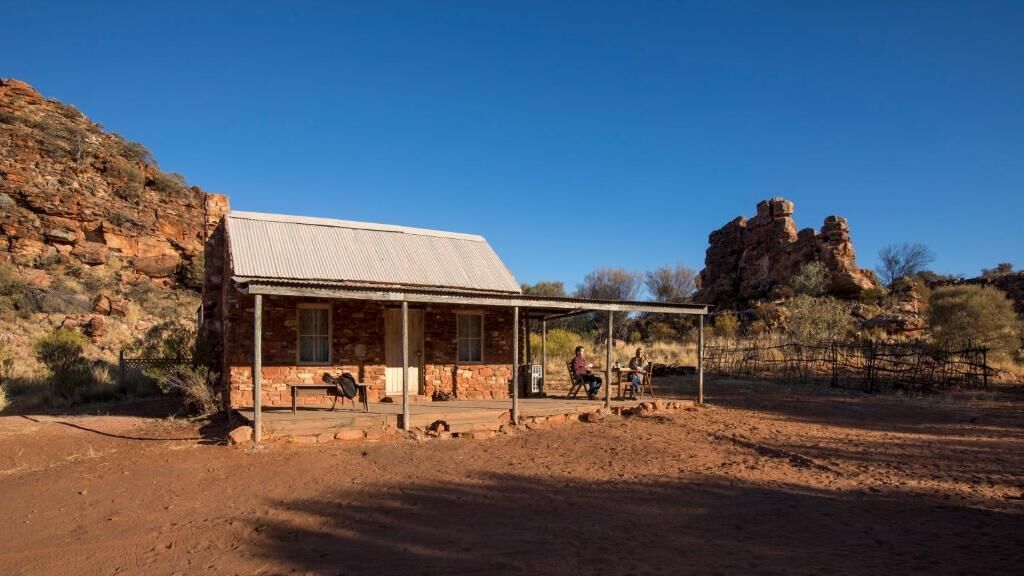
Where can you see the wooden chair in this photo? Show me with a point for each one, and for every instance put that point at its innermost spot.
(575, 382)
(647, 382)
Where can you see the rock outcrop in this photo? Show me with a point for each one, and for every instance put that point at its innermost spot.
(751, 259)
(72, 193)
(94, 237)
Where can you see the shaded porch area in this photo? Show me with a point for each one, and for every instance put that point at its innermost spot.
(460, 416)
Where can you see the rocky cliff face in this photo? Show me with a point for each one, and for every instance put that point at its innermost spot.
(752, 259)
(93, 235)
(70, 192)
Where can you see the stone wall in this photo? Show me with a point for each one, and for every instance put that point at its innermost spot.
(357, 347)
(750, 259)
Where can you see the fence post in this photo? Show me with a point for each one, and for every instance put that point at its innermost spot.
(834, 357)
(120, 372)
(984, 366)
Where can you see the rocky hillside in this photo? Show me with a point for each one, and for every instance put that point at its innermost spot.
(93, 235)
(754, 259)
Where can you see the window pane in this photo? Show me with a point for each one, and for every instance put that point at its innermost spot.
(314, 338)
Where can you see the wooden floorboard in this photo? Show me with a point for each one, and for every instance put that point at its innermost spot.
(459, 414)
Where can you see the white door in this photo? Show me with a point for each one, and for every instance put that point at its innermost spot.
(393, 351)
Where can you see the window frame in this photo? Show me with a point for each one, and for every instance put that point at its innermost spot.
(458, 338)
(298, 333)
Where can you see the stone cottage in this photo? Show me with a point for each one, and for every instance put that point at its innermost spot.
(289, 298)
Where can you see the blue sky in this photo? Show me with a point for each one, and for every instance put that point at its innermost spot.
(572, 135)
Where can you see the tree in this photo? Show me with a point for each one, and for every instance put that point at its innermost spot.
(550, 289)
(981, 314)
(671, 283)
(609, 284)
(906, 259)
(813, 279)
(1001, 269)
(813, 320)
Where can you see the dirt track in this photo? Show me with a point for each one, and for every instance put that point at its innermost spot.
(764, 480)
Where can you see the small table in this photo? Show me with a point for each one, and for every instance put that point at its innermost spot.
(644, 380)
(298, 389)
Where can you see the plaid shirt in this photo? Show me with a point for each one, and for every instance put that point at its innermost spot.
(579, 367)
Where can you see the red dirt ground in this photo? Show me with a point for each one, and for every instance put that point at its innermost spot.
(765, 479)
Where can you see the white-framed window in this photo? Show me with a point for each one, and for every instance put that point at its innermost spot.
(470, 334)
(314, 334)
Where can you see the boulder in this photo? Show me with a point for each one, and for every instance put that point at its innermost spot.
(240, 435)
(92, 253)
(101, 304)
(161, 266)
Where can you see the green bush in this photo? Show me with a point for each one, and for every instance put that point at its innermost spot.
(128, 180)
(813, 279)
(980, 314)
(198, 386)
(727, 325)
(136, 152)
(6, 367)
(61, 353)
(561, 344)
(812, 320)
(12, 287)
(192, 273)
(170, 183)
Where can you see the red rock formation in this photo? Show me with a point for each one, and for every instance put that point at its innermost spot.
(749, 259)
(70, 192)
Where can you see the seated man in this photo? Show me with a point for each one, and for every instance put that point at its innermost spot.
(581, 369)
(637, 366)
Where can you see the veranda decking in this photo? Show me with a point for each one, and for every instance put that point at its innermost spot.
(460, 415)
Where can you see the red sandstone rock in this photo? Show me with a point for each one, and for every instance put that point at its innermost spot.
(748, 259)
(240, 435)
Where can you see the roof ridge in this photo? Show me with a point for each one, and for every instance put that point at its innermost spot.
(336, 223)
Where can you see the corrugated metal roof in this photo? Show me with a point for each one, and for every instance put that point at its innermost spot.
(361, 253)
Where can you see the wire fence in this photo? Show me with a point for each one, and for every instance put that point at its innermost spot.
(864, 365)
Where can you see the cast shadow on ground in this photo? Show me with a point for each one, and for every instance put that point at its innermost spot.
(509, 524)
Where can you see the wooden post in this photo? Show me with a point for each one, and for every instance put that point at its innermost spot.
(527, 349)
(608, 365)
(515, 365)
(544, 352)
(700, 361)
(257, 370)
(405, 366)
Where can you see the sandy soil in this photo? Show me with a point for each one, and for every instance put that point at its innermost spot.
(766, 479)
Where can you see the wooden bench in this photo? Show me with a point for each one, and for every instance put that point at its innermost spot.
(299, 389)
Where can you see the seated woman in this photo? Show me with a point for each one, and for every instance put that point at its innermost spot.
(637, 367)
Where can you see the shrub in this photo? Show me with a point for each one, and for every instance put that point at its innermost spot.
(171, 339)
(170, 183)
(561, 344)
(822, 319)
(198, 386)
(136, 152)
(64, 296)
(981, 314)
(61, 353)
(192, 273)
(128, 180)
(6, 367)
(12, 287)
(727, 325)
(813, 279)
